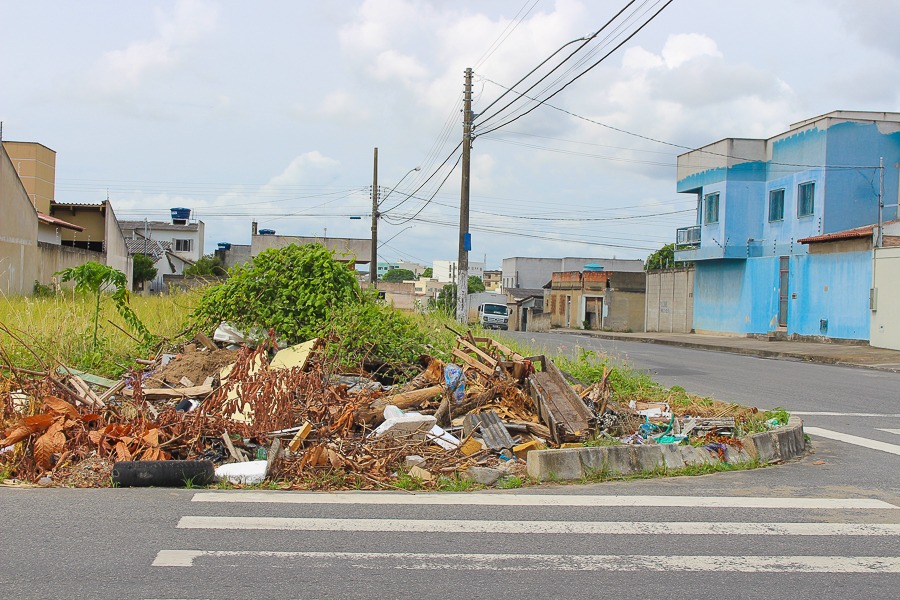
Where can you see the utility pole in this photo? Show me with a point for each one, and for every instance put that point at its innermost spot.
(373, 264)
(880, 240)
(462, 272)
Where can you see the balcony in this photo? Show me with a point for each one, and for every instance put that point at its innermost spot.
(687, 237)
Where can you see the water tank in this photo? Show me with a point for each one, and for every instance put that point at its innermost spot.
(266, 232)
(224, 245)
(181, 214)
(593, 267)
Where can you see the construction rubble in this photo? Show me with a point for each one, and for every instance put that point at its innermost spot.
(290, 417)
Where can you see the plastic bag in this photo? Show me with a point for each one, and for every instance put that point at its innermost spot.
(456, 382)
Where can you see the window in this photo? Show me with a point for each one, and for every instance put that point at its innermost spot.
(806, 193)
(776, 205)
(711, 205)
(183, 245)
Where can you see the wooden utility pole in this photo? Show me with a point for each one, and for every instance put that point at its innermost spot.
(462, 270)
(373, 257)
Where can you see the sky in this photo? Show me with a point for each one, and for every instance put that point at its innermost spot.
(271, 111)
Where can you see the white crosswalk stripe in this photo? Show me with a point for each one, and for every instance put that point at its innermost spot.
(416, 559)
(553, 562)
(539, 527)
(565, 500)
(853, 439)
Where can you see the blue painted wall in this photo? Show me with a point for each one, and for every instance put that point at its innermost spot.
(736, 278)
(833, 288)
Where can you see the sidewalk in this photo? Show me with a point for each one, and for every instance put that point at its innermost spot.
(818, 352)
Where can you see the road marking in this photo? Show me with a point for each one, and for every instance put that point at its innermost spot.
(894, 431)
(505, 499)
(840, 414)
(853, 439)
(551, 562)
(539, 527)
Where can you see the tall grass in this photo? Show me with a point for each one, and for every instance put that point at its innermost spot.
(58, 329)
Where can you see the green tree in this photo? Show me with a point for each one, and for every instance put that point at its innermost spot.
(398, 275)
(664, 258)
(428, 273)
(292, 289)
(446, 298)
(143, 269)
(94, 278)
(209, 265)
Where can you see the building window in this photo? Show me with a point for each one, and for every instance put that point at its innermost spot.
(711, 205)
(183, 245)
(776, 205)
(806, 193)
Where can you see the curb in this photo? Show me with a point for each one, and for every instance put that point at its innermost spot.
(758, 352)
(569, 464)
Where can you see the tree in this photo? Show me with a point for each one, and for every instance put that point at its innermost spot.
(398, 275)
(94, 278)
(446, 298)
(209, 265)
(428, 273)
(143, 269)
(664, 258)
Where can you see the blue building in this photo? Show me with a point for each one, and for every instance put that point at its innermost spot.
(762, 205)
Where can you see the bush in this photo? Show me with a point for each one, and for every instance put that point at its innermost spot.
(292, 290)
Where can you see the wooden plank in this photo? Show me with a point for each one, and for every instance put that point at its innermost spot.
(558, 405)
(472, 362)
(164, 393)
(231, 449)
(207, 343)
(509, 352)
(487, 358)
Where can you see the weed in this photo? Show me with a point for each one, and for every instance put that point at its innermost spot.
(405, 481)
(456, 484)
(511, 483)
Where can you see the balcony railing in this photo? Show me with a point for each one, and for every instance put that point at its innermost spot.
(687, 237)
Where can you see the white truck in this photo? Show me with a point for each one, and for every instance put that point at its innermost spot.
(493, 316)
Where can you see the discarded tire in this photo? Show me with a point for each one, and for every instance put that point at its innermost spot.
(162, 473)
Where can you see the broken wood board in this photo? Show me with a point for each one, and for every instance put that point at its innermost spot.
(484, 356)
(88, 377)
(374, 413)
(165, 393)
(472, 362)
(558, 405)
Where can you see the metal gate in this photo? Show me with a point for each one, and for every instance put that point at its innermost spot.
(784, 267)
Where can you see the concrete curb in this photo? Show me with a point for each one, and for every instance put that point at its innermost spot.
(801, 356)
(569, 464)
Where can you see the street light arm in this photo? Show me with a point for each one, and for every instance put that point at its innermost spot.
(391, 191)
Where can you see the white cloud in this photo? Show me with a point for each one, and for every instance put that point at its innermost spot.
(684, 47)
(128, 68)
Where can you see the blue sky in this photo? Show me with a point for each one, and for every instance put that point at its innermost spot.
(270, 111)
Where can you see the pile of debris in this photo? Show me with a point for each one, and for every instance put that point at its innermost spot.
(290, 416)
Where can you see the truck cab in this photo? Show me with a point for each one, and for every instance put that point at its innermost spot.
(493, 316)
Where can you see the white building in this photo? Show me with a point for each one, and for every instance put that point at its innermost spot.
(174, 245)
(445, 270)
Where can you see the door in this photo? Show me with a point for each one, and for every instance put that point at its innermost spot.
(784, 267)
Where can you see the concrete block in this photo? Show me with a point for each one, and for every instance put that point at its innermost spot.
(673, 456)
(564, 464)
(697, 456)
(482, 475)
(736, 456)
(765, 446)
(789, 440)
(648, 458)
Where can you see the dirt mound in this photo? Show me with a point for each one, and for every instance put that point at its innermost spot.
(196, 366)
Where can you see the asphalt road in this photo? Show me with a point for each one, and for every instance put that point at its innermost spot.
(824, 526)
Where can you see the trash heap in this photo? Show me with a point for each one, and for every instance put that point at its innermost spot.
(247, 414)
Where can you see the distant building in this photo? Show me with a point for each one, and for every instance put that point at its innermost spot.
(416, 268)
(528, 272)
(492, 280)
(173, 245)
(608, 300)
(384, 267)
(445, 270)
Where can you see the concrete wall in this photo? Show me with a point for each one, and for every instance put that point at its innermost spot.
(885, 319)
(114, 246)
(670, 301)
(352, 250)
(400, 295)
(625, 311)
(55, 258)
(742, 296)
(19, 255)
